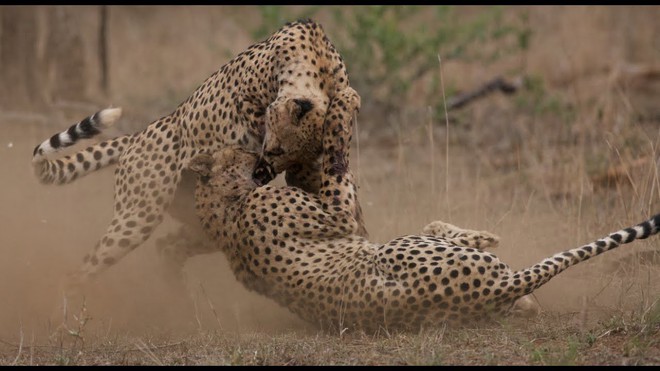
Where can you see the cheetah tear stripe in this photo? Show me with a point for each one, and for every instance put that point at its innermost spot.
(85, 129)
(527, 280)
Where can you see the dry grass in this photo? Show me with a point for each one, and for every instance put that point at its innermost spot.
(547, 169)
(550, 339)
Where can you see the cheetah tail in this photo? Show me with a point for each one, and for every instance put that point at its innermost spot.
(527, 280)
(87, 128)
(66, 169)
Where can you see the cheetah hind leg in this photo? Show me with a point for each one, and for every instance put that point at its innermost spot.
(176, 248)
(526, 307)
(177, 294)
(462, 237)
(171, 250)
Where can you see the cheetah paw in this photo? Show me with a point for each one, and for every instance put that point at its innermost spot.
(462, 237)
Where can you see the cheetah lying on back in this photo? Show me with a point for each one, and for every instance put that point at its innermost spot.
(301, 249)
(287, 80)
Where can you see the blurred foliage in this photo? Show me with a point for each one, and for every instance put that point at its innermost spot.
(388, 49)
(536, 100)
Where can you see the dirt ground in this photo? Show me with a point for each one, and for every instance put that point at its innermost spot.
(47, 229)
(535, 193)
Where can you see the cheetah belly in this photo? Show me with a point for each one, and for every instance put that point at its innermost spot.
(410, 282)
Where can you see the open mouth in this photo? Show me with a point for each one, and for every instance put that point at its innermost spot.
(263, 172)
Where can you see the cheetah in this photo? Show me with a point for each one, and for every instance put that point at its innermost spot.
(290, 76)
(301, 250)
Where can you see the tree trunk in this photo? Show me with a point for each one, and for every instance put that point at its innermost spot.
(20, 72)
(50, 54)
(104, 15)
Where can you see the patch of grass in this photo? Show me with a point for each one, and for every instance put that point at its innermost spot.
(546, 340)
(390, 49)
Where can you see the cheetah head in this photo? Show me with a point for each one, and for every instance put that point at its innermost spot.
(294, 126)
(230, 169)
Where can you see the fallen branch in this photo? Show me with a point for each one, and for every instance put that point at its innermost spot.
(496, 84)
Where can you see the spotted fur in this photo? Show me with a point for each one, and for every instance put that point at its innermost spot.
(56, 171)
(301, 250)
(290, 76)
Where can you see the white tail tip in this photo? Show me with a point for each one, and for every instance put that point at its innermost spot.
(109, 115)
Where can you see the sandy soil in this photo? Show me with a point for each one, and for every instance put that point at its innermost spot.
(47, 229)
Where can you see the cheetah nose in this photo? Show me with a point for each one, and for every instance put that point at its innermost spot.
(263, 172)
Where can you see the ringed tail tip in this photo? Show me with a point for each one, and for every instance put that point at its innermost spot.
(109, 115)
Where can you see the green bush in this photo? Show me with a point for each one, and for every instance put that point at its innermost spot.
(387, 49)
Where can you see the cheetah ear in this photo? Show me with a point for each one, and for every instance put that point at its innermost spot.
(202, 164)
(298, 108)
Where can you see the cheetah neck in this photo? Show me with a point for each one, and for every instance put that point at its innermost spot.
(217, 206)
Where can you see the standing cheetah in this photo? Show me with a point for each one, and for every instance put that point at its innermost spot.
(291, 76)
(301, 250)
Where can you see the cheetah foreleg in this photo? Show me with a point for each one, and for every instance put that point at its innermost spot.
(308, 177)
(338, 189)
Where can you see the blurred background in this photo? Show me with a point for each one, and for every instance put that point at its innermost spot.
(540, 124)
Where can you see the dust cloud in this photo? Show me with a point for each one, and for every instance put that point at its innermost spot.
(46, 230)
